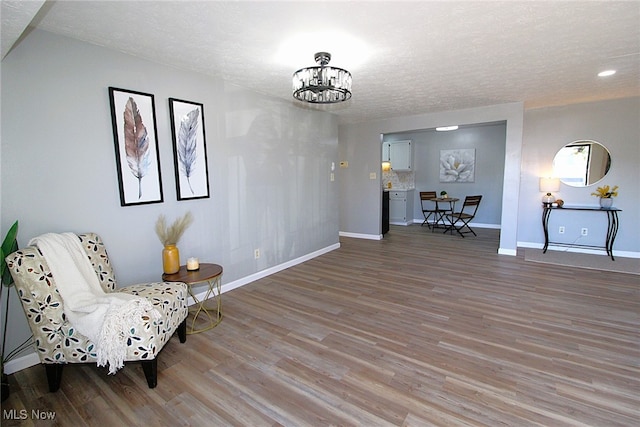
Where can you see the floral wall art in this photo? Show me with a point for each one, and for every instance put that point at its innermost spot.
(189, 149)
(457, 165)
(133, 117)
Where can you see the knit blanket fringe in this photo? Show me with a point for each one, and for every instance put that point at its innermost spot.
(113, 341)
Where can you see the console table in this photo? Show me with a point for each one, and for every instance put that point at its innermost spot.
(612, 226)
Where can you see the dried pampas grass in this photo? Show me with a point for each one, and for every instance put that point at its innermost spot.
(170, 235)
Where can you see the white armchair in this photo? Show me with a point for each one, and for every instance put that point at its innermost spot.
(58, 343)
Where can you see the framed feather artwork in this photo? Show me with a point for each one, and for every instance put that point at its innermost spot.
(133, 116)
(189, 149)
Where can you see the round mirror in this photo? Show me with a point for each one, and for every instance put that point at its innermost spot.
(582, 163)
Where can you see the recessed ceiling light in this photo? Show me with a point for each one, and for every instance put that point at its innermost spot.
(606, 73)
(446, 128)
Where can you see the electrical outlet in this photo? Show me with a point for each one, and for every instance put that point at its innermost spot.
(561, 229)
(333, 177)
(256, 253)
(372, 175)
(584, 232)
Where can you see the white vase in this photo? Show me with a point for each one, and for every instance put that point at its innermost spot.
(606, 202)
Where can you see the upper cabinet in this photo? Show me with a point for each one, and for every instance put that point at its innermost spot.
(399, 154)
(385, 152)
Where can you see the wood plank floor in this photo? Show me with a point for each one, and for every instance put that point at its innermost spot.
(418, 329)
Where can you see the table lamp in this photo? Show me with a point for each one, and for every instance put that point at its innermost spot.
(547, 185)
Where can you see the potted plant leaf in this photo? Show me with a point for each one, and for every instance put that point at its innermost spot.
(9, 245)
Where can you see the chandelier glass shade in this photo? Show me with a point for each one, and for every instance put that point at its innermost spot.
(322, 84)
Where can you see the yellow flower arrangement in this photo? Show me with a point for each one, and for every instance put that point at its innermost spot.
(606, 192)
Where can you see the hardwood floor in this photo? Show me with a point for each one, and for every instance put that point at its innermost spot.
(418, 329)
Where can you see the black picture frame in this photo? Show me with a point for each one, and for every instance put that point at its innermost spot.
(189, 149)
(133, 117)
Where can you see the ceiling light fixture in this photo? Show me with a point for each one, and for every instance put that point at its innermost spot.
(446, 128)
(606, 73)
(322, 84)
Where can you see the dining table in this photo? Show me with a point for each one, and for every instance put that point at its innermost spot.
(442, 210)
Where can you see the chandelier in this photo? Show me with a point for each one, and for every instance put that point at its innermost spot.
(322, 84)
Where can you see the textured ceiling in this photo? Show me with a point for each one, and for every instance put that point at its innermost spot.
(413, 57)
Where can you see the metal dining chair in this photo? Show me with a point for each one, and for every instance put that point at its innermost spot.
(429, 207)
(460, 220)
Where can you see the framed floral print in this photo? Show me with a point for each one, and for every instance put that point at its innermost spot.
(457, 165)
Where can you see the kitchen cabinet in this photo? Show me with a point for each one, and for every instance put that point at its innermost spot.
(401, 207)
(399, 154)
(386, 152)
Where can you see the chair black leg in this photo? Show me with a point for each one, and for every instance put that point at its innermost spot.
(150, 368)
(426, 221)
(461, 233)
(182, 331)
(54, 376)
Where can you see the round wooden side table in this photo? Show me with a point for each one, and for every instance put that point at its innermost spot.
(441, 213)
(210, 274)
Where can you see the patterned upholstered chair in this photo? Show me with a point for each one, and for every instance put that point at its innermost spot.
(58, 343)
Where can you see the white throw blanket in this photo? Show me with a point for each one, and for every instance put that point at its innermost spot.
(104, 318)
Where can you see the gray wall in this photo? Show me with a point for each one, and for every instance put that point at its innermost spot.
(488, 141)
(615, 124)
(360, 196)
(269, 164)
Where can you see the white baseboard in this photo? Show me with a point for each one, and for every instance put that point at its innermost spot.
(32, 359)
(415, 221)
(403, 223)
(21, 363)
(267, 272)
(473, 224)
(361, 236)
(616, 253)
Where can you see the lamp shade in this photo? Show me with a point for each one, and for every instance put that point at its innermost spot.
(548, 185)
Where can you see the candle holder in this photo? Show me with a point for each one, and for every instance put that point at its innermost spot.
(193, 264)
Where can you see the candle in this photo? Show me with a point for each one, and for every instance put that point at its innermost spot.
(193, 264)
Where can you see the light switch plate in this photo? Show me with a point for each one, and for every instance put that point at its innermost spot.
(372, 175)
